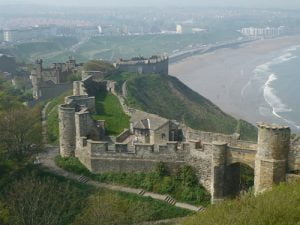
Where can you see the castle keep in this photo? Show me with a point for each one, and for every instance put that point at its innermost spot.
(216, 158)
(50, 82)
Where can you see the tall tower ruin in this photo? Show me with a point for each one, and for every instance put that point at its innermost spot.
(67, 130)
(271, 162)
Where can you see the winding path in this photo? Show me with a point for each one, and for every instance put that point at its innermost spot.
(47, 162)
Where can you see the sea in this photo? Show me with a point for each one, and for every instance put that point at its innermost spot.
(280, 87)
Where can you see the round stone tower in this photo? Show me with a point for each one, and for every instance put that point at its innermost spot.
(272, 156)
(67, 131)
(219, 152)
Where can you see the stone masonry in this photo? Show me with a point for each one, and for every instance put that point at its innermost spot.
(215, 157)
(154, 64)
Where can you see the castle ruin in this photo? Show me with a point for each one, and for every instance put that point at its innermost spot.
(149, 139)
(50, 82)
(154, 64)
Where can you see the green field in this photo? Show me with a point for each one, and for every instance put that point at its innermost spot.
(108, 108)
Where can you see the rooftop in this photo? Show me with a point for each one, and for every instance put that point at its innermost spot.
(142, 120)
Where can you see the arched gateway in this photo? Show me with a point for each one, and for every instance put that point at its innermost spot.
(269, 160)
(151, 139)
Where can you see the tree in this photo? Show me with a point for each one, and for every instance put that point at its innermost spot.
(20, 132)
(41, 201)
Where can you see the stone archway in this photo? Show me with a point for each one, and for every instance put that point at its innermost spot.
(270, 162)
(238, 177)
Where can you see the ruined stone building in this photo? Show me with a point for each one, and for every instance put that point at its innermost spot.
(215, 157)
(50, 82)
(154, 64)
(151, 129)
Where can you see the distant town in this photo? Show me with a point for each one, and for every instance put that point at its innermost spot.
(118, 22)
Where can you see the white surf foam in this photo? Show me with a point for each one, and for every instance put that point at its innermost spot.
(272, 99)
(262, 72)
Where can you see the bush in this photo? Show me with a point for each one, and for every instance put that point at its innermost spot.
(40, 200)
(181, 184)
(72, 164)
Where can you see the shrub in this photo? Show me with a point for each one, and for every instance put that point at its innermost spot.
(183, 185)
(72, 164)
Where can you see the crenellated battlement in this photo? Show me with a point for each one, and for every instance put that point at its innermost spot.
(154, 64)
(150, 139)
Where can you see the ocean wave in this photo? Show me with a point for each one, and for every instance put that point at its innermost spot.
(275, 102)
(293, 48)
(272, 99)
(262, 72)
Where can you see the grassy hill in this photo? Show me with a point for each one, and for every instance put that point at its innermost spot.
(279, 206)
(170, 98)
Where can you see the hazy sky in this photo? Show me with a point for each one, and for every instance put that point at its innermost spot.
(291, 4)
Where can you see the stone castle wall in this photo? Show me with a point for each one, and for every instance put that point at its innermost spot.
(210, 136)
(216, 158)
(44, 92)
(158, 65)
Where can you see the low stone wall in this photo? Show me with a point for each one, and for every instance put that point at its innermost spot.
(124, 165)
(148, 66)
(209, 136)
(293, 177)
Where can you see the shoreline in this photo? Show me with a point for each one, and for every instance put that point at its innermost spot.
(224, 77)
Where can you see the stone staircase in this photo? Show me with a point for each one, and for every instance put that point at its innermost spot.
(82, 179)
(142, 192)
(170, 200)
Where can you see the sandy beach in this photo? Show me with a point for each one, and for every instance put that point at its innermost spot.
(223, 76)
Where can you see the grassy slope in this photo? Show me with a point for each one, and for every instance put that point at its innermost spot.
(108, 108)
(150, 208)
(279, 206)
(168, 97)
(52, 117)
